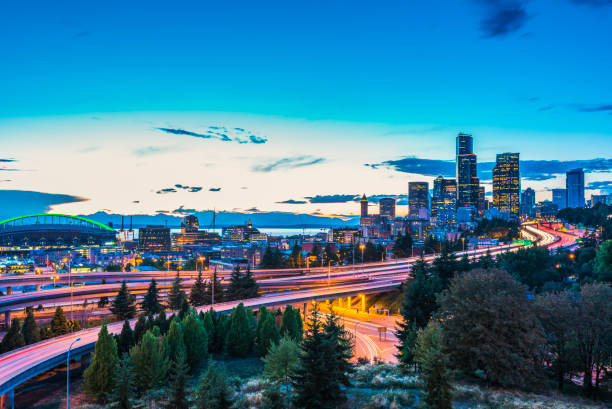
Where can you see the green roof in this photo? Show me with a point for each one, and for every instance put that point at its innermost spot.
(101, 225)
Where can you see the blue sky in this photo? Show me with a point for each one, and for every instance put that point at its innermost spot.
(331, 86)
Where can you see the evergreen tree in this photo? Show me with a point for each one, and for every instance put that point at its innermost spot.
(296, 259)
(150, 302)
(59, 324)
(196, 341)
(30, 330)
(214, 391)
(150, 362)
(269, 334)
(234, 289)
(222, 323)
(262, 314)
(269, 259)
(282, 360)
(402, 247)
(432, 361)
(178, 382)
(419, 299)
(185, 309)
(273, 398)
(445, 266)
(219, 295)
(464, 264)
(291, 325)
(239, 338)
(161, 322)
(176, 296)
(407, 336)
(123, 392)
(208, 321)
(99, 377)
(103, 302)
(197, 296)
(339, 350)
(13, 338)
(140, 328)
(249, 285)
(123, 305)
(126, 339)
(175, 341)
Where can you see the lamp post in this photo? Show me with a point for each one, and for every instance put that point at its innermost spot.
(68, 374)
(213, 285)
(70, 284)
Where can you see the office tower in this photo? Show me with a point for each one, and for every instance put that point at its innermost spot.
(436, 195)
(446, 204)
(364, 206)
(559, 197)
(528, 203)
(467, 179)
(190, 224)
(481, 201)
(154, 238)
(387, 208)
(574, 183)
(507, 184)
(418, 199)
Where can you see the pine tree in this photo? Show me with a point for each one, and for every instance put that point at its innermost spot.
(196, 341)
(432, 361)
(150, 362)
(402, 247)
(140, 328)
(176, 296)
(419, 296)
(269, 334)
(178, 382)
(150, 302)
(445, 267)
(175, 341)
(339, 350)
(123, 392)
(273, 398)
(219, 295)
(222, 324)
(59, 324)
(30, 330)
(296, 259)
(208, 321)
(213, 391)
(234, 289)
(99, 377)
(239, 339)
(407, 335)
(13, 338)
(261, 318)
(126, 339)
(123, 305)
(197, 296)
(291, 324)
(250, 287)
(281, 360)
(161, 322)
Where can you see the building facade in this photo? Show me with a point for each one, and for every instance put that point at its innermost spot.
(154, 239)
(528, 203)
(559, 197)
(574, 183)
(507, 184)
(467, 178)
(387, 208)
(418, 199)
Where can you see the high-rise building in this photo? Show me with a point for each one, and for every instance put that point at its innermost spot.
(507, 184)
(436, 195)
(190, 224)
(574, 183)
(418, 199)
(446, 205)
(154, 238)
(387, 208)
(559, 197)
(467, 179)
(364, 206)
(528, 203)
(481, 201)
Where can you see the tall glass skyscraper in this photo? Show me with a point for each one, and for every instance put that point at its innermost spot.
(559, 197)
(574, 183)
(507, 184)
(446, 205)
(387, 208)
(418, 199)
(528, 203)
(467, 179)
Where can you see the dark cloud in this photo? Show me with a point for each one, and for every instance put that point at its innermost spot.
(136, 201)
(593, 107)
(221, 133)
(182, 210)
(332, 198)
(502, 17)
(289, 163)
(214, 189)
(166, 191)
(291, 201)
(21, 202)
(5, 160)
(530, 169)
(191, 189)
(194, 189)
(601, 185)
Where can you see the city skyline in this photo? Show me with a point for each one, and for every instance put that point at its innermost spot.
(135, 120)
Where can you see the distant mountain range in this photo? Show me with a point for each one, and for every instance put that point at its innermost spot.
(259, 219)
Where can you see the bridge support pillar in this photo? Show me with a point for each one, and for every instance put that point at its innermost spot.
(9, 290)
(349, 304)
(305, 311)
(7, 401)
(7, 319)
(363, 303)
(37, 287)
(340, 302)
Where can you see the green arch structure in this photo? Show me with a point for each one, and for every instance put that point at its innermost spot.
(82, 219)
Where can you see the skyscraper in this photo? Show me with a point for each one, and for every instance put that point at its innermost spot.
(418, 199)
(387, 208)
(436, 195)
(364, 206)
(446, 205)
(507, 184)
(528, 203)
(574, 183)
(467, 179)
(559, 197)
(481, 201)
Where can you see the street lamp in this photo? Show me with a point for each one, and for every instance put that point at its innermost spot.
(362, 247)
(70, 284)
(68, 374)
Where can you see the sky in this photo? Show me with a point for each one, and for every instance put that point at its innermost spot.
(147, 107)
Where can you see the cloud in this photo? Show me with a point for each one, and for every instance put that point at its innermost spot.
(214, 189)
(182, 210)
(546, 108)
(289, 163)
(191, 189)
(15, 203)
(6, 160)
(332, 198)
(502, 17)
(239, 135)
(601, 185)
(152, 150)
(166, 190)
(530, 169)
(593, 107)
(194, 189)
(291, 201)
